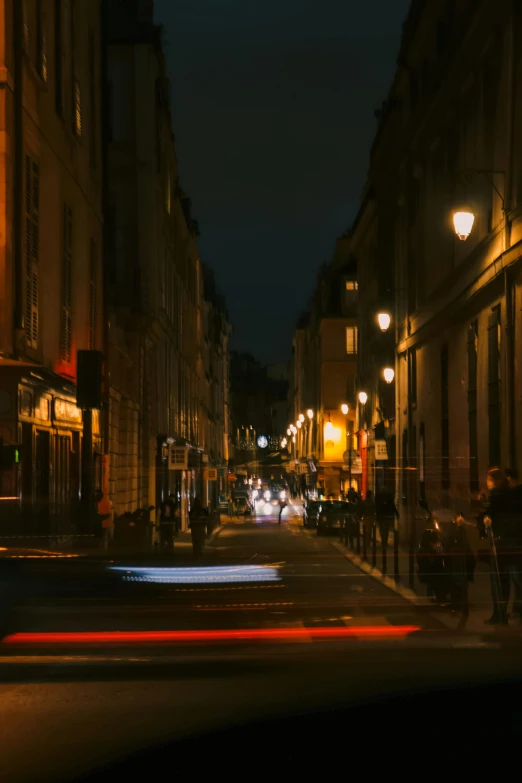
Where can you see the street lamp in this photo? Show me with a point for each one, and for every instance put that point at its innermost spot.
(389, 374)
(301, 418)
(310, 413)
(363, 397)
(345, 409)
(283, 443)
(289, 432)
(463, 223)
(299, 424)
(384, 320)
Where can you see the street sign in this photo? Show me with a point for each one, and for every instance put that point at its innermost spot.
(381, 450)
(178, 457)
(210, 474)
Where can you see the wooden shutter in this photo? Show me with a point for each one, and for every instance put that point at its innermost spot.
(66, 314)
(32, 239)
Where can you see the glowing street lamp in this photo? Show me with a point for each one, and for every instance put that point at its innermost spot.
(301, 418)
(363, 397)
(289, 432)
(344, 408)
(310, 413)
(384, 320)
(299, 424)
(283, 443)
(463, 223)
(389, 374)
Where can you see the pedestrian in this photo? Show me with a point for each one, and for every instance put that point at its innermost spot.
(167, 526)
(514, 557)
(385, 513)
(198, 525)
(104, 522)
(282, 506)
(367, 511)
(499, 523)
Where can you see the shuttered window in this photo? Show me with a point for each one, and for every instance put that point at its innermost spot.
(92, 294)
(66, 310)
(32, 238)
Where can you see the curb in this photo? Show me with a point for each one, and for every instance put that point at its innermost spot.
(375, 573)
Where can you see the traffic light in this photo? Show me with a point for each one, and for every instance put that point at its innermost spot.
(10, 455)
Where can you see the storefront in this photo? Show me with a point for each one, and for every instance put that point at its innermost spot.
(40, 490)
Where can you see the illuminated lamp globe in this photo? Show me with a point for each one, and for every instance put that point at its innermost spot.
(363, 398)
(289, 431)
(301, 418)
(310, 413)
(299, 424)
(344, 408)
(384, 320)
(389, 374)
(463, 223)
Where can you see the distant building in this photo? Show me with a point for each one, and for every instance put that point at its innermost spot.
(324, 375)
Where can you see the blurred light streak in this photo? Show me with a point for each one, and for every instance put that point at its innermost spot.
(246, 634)
(214, 575)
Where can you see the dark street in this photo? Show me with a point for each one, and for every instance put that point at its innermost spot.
(123, 697)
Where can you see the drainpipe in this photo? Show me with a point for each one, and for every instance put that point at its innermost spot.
(18, 176)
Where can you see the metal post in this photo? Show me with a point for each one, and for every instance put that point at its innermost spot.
(396, 574)
(87, 496)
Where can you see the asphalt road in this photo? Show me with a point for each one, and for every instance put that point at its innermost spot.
(273, 621)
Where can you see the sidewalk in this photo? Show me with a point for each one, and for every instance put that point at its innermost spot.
(480, 602)
(88, 548)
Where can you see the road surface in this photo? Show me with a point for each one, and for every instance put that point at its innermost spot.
(97, 662)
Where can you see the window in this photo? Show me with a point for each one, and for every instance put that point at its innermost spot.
(32, 202)
(444, 416)
(66, 310)
(494, 385)
(352, 285)
(41, 43)
(352, 339)
(93, 108)
(472, 407)
(93, 290)
(58, 48)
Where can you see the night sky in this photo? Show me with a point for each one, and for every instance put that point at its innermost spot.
(273, 107)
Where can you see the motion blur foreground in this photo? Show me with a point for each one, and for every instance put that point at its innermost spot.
(119, 663)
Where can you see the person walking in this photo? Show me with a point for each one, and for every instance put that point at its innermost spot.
(498, 523)
(282, 506)
(167, 522)
(385, 513)
(367, 511)
(198, 526)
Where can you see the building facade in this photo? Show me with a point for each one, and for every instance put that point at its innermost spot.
(51, 251)
(324, 378)
(168, 346)
(449, 141)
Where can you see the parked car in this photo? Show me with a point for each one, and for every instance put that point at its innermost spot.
(332, 516)
(310, 512)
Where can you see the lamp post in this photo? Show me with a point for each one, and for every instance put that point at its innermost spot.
(310, 415)
(345, 409)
